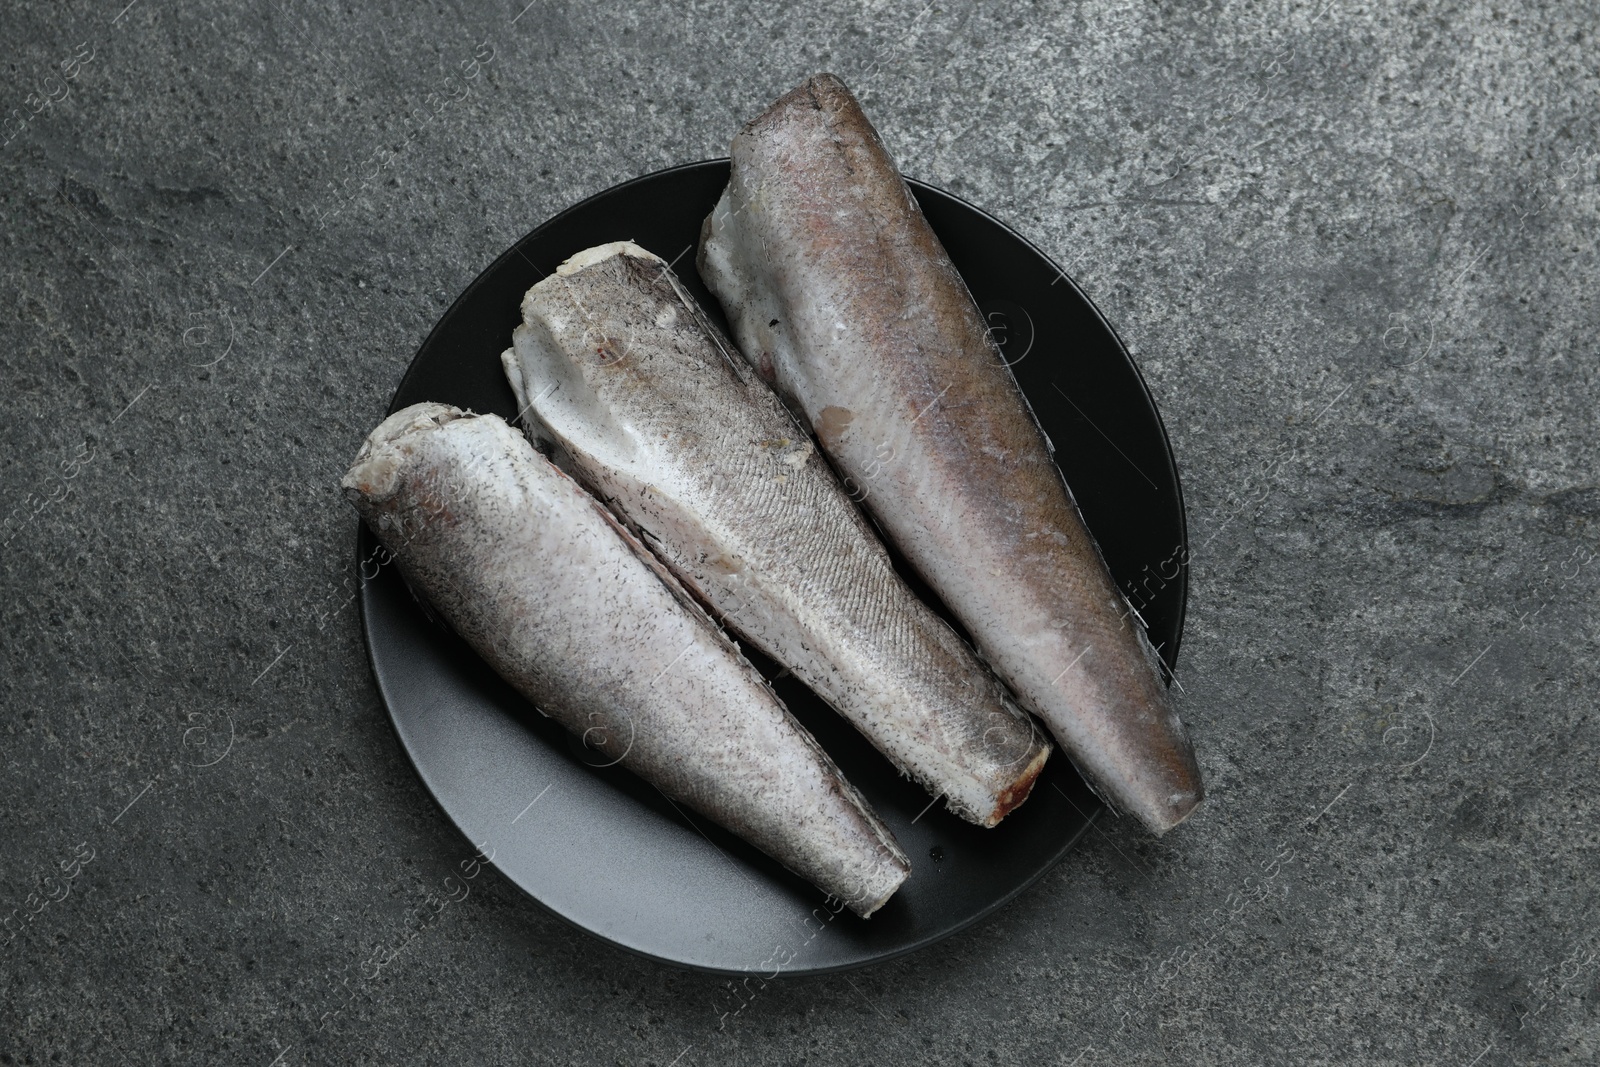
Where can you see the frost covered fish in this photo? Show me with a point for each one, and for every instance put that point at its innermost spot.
(616, 365)
(545, 585)
(840, 295)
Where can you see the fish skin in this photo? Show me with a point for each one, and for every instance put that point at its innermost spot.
(565, 605)
(840, 294)
(618, 368)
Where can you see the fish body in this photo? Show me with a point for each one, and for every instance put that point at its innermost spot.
(565, 605)
(617, 367)
(839, 294)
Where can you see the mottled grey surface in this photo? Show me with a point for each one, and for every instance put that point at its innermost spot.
(1352, 248)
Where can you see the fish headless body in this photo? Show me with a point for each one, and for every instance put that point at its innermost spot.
(567, 607)
(618, 369)
(838, 292)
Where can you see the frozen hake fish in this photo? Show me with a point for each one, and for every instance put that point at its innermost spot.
(565, 605)
(617, 367)
(840, 294)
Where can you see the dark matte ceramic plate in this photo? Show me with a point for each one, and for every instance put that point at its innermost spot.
(610, 854)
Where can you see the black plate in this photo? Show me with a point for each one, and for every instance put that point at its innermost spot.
(607, 852)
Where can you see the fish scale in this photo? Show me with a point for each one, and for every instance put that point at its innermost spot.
(689, 447)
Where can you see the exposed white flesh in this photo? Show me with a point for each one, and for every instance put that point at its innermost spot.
(616, 365)
(560, 600)
(838, 292)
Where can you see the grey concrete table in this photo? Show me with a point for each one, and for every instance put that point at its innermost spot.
(1352, 248)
